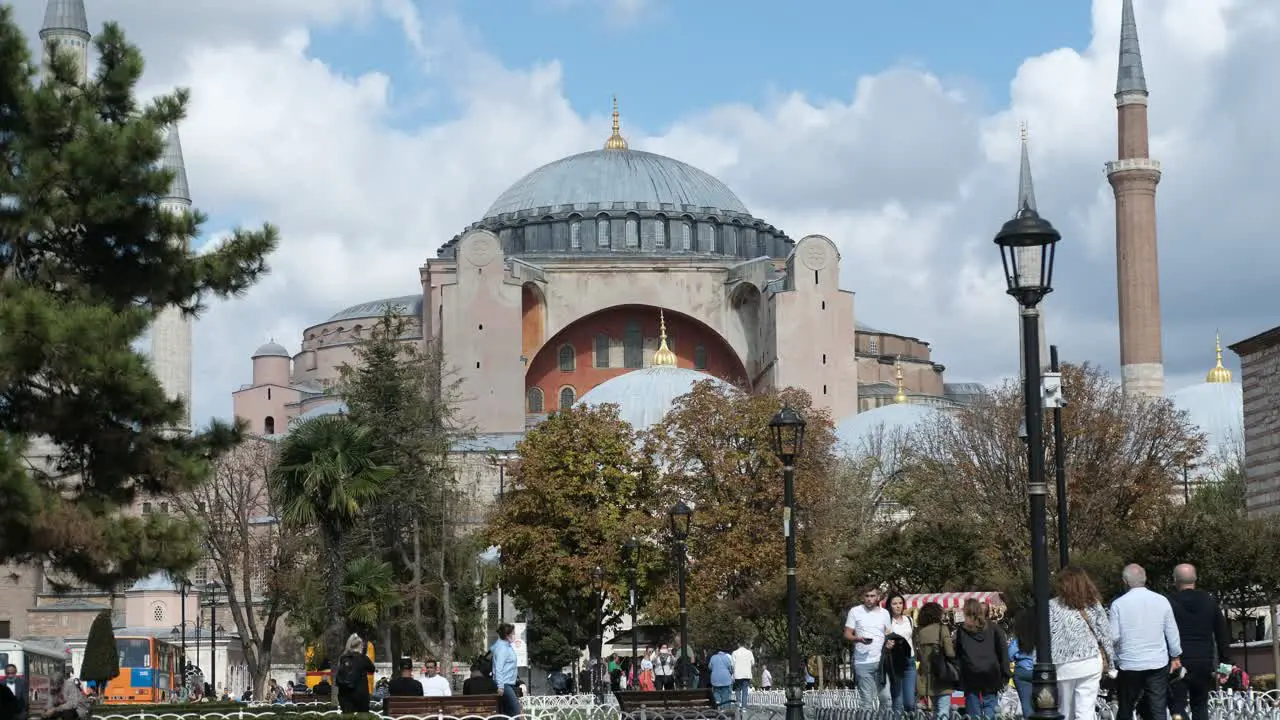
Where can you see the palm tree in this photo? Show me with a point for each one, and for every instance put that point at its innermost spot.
(329, 469)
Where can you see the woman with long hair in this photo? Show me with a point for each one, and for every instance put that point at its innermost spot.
(901, 656)
(1080, 633)
(983, 655)
(932, 643)
(1022, 653)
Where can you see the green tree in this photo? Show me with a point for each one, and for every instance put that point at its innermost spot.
(398, 386)
(553, 644)
(88, 259)
(101, 656)
(328, 469)
(579, 492)
(926, 556)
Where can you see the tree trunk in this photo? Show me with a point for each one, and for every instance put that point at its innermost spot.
(446, 588)
(334, 601)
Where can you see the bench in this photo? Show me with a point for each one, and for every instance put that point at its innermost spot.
(454, 705)
(656, 701)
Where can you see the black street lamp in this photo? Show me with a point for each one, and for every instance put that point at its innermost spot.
(212, 588)
(680, 517)
(1026, 248)
(1060, 468)
(598, 672)
(632, 550)
(788, 442)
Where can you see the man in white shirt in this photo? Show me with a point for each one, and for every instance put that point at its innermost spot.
(1148, 647)
(433, 683)
(744, 664)
(866, 627)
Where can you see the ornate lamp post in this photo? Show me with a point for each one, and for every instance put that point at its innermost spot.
(788, 441)
(211, 589)
(680, 517)
(1027, 248)
(632, 551)
(597, 673)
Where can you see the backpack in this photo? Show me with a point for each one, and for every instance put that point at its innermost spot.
(980, 655)
(347, 677)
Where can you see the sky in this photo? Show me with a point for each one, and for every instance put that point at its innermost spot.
(372, 131)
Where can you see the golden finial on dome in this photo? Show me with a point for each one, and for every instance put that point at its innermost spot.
(663, 357)
(1218, 374)
(616, 141)
(901, 396)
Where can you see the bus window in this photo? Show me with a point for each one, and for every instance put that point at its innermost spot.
(134, 653)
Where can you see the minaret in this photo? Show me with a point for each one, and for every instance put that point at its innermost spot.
(67, 26)
(171, 332)
(1134, 177)
(1028, 258)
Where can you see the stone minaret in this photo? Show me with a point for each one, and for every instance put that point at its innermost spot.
(1028, 258)
(67, 26)
(1134, 177)
(171, 332)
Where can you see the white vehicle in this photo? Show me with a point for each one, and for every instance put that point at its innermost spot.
(37, 664)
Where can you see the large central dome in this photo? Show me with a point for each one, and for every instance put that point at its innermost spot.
(607, 176)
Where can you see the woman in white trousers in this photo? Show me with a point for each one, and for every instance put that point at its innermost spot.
(1082, 644)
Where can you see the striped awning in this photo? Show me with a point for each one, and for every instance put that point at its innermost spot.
(953, 600)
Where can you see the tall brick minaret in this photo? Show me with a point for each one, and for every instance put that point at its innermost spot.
(1134, 177)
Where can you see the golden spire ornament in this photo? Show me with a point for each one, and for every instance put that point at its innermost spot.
(1218, 374)
(663, 357)
(901, 396)
(616, 141)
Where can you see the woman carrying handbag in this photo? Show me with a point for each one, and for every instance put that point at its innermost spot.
(938, 675)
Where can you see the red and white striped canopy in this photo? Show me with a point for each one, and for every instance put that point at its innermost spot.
(952, 600)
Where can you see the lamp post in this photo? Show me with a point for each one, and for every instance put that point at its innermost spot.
(632, 550)
(211, 589)
(1060, 470)
(788, 441)
(680, 517)
(597, 673)
(1026, 249)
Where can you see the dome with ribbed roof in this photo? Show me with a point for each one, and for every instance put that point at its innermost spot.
(408, 305)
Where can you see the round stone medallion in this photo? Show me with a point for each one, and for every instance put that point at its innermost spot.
(481, 250)
(814, 255)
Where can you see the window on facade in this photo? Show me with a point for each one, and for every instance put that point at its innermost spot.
(567, 358)
(686, 235)
(730, 238)
(200, 577)
(567, 398)
(602, 231)
(157, 613)
(700, 357)
(660, 233)
(602, 351)
(533, 400)
(575, 235)
(632, 232)
(146, 508)
(716, 237)
(269, 425)
(873, 346)
(633, 346)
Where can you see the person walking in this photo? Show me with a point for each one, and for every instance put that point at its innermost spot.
(405, 684)
(506, 670)
(1080, 632)
(937, 659)
(982, 652)
(720, 670)
(352, 677)
(867, 626)
(744, 665)
(1202, 629)
(901, 656)
(21, 693)
(664, 668)
(1022, 653)
(1148, 647)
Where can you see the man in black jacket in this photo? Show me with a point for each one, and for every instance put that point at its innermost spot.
(1204, 644)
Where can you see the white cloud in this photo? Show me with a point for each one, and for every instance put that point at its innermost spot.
(907, 174)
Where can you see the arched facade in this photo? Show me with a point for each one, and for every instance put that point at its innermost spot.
(615, 341)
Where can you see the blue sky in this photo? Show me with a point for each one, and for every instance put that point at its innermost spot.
(682, 56)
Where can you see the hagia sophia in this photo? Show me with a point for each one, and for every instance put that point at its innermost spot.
(623, 276)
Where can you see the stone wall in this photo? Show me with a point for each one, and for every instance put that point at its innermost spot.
(1260, 376)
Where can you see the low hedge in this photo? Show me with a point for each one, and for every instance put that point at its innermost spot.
(210, 708)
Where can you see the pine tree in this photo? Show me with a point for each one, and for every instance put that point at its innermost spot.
(101, 656)
(88, 259)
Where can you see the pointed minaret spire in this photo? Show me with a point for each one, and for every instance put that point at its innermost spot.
(1026, 189)
(172, 160)
(66, 27)
(1130, 78)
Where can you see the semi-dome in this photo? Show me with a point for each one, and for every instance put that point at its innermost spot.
(645, 396)
(1217, 409)
(410, 305)
(857, 432)
(597, 179)
(272, 349)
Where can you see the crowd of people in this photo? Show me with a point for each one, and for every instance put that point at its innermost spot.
(1161, 655)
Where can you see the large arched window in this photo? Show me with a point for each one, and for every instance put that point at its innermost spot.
(700, 357)
(567, 397)
(602, 230)
(575, 234)
(633, 346)
(602, 351)
(568, 358)
(660, 233)
(533, 400)
(686, 235)
(631, 231)
(269, 426)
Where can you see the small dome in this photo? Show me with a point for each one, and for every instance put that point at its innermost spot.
(1217, 408)
(333, 408)
(645, 396)
(155, 582)
(856, 431)
(272, 349)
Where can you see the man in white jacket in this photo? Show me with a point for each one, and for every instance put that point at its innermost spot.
(744, 663)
